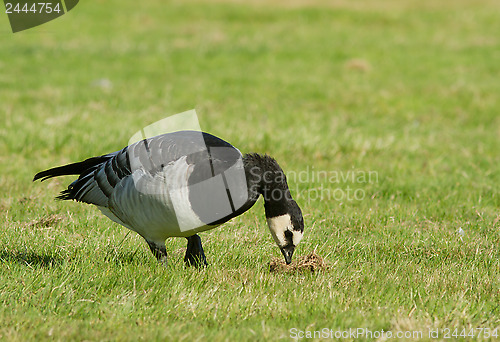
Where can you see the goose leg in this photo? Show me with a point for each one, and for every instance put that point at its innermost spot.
(194, 252)
(159, 251)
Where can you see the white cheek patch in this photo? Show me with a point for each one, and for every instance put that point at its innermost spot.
(278, 225)
(297, 236)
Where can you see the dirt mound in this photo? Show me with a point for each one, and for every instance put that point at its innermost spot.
(309, 263)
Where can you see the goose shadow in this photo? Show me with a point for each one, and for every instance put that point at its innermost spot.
(31, 259)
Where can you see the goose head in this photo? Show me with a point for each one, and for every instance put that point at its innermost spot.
(287, 229)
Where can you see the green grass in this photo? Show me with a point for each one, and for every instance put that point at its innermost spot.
(407, 90)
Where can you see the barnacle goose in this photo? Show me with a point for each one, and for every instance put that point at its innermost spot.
(182, 183)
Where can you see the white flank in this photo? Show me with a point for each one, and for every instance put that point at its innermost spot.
(144, 203)
(178, 190)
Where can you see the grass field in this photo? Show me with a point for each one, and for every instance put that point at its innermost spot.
(404, 91)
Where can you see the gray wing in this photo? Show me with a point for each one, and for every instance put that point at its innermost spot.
(209, 155)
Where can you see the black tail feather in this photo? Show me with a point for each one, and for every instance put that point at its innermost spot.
(65, 195)
(71, 169)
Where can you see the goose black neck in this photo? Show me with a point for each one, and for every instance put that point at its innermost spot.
(265, 177)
